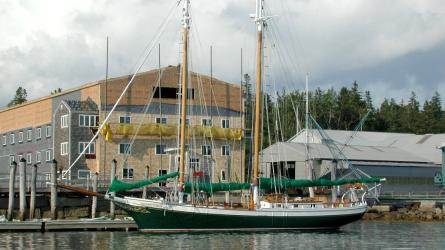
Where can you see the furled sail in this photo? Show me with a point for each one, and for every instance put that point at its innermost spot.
(154, 129)
(118, 185)
(270, 183)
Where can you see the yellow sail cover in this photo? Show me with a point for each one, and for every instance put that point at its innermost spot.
(172, 130)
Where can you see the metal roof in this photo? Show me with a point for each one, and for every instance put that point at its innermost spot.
(291, 151)
(423, 146)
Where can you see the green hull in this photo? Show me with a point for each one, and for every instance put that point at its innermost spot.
(159, 220)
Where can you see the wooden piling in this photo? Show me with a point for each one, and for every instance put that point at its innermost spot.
(12, 169)
(54, 189)
(112, 175)
(94, 203)
(146, 176)
(32, 202)
(22, 189)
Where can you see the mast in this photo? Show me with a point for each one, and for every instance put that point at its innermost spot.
(184, 79)
(308, 165)
(259, 20)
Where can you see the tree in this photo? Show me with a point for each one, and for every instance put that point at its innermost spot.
(19, 98)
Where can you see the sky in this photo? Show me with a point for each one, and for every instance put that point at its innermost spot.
(389, 47)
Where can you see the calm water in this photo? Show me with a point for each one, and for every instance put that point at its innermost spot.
(359, 235)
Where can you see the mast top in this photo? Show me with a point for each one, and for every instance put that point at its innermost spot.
(186, 14)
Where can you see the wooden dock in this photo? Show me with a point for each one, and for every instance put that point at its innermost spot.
(69, 225)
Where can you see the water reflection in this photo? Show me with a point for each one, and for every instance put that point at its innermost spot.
(360, 235)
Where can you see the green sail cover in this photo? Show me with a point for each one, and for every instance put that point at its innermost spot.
(118, 185)
(269, 184)
(265, 183)
(215, 187)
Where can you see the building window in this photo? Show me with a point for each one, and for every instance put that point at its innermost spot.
(124, 148)
(64, 121)
(38, 157)
(38, 133)
(20, 137)
(225, 123)
(207, 122)
(206, 150)
(64, 148)
(83, 174)
(11, 160)
(160, 149)
(11, 138)
(4, 140)
(29, 134)
(125, 119)
(91, 150)
(225, 150)
(127, 173)
(194, 163)
(160, 173)
(88, 120)
(29, 158)
(161, 120)
(48, 155)
(223, 175)
(48, 131)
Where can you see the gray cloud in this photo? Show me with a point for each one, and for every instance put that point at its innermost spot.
(389, 47)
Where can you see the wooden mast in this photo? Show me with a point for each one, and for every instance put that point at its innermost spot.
(259, 19)
(184, 80)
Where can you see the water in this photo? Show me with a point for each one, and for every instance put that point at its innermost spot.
(359, 235)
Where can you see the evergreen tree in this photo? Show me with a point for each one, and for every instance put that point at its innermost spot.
(19, 98)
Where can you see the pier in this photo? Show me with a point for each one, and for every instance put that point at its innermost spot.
(68, 225)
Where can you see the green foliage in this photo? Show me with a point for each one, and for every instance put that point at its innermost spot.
(283, 116)
(19, 98)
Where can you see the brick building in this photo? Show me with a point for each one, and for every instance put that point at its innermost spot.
(60, 126)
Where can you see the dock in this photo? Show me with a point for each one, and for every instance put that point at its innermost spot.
(68, 225)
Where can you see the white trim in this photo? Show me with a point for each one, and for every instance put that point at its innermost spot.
(161, 119)
(29, 134)
(38, 133)
(119, 148)
(91, 149)
(48, 128)
(29, 158)
(48, 155)
(125, 120)
(4, 140)
(38, 157)
(12, 138)
(64, 148)
(128, 173)
(228, 150)
(20, 137)
(223, 121)
(208, 122)
(64, 121)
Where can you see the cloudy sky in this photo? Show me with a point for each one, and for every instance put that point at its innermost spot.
(390, 47)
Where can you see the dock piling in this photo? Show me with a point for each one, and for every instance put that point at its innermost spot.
(22, 189)
(94, 203)
(54, 189)
(32, 202)
(113, 174)
(12, 169)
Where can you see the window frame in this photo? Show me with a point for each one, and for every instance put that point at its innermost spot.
(38, 133)
(161, 152)
(206, 122)
(123, 119)
(12, 138)
(64, 121)
(161, 120)
(48, 131)
(223, 175)
(223, 123)
(38, 157)
(20, 139)
(4, 140)
(48, 155)
(29, 135)
(119, 148)
(83, 171)
(130, 173)
(91, 149)
(29, 158)
(64, 148)
(225, 150)
(205, 149)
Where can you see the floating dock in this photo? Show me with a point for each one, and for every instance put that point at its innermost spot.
(69, 225)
